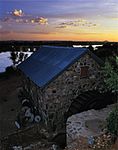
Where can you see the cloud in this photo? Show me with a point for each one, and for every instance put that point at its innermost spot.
(114, 18)
(4, 32)
(39, 20)
(87, 33)
(0, 26)
(34, 32)
(39, 32)
(78, 22)
(18, 16)
(7, 19)
(62, 26)
(43, 20)
(24, 32)
(26, 20)
(18, 13)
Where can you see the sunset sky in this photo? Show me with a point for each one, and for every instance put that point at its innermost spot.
(85, 20)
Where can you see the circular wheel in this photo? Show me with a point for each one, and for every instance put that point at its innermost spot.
(89, 100)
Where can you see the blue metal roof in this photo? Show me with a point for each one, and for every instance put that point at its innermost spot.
(48, 62)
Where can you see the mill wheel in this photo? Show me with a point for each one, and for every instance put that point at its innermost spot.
(89, 100)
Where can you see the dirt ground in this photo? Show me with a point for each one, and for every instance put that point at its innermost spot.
(9, 103)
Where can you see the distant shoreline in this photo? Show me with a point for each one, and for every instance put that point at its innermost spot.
(13, 45)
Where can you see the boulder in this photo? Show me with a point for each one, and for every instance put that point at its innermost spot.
(82, 128)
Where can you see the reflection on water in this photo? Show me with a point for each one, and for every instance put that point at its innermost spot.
(94, 46)
(12, 58)
(5, 61)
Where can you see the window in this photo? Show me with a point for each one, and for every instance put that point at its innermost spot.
(84, 71)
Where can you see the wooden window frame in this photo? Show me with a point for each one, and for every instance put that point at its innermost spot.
(84, 71)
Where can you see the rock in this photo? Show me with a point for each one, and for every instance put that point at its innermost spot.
(55, 147)
(24, 108)
(83, 126)
(17, 148)
(79, 144)
(28, 112)
(17, 124)
(37, 118)
(27, 103)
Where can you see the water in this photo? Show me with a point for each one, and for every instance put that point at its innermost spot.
(5, 59)
(94, 46)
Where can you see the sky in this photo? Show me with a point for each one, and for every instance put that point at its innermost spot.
(76, 20)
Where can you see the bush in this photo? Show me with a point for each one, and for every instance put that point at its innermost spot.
(8, 72)
(110, 71)
(112, 121)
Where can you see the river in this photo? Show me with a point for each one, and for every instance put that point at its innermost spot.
(5, 59)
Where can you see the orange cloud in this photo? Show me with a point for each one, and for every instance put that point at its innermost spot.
(18, 13)
(40, 20)
(43, 20)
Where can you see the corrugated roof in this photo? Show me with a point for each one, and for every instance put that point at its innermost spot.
(48, 62)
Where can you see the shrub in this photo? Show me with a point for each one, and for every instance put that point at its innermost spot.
(110, 71)
(8, 72)
(112, 121)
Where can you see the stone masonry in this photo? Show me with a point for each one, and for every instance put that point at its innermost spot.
(54, 99)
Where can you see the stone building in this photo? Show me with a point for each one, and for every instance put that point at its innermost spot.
(54, 76)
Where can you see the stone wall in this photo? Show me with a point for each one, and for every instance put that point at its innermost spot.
(54, 100)
(36, 95)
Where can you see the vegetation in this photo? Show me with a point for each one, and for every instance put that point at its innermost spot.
(10, 71)
(110, 71)
(18, 57)
(112, 121)
(107, 50)
(111, 84)
(24, 45)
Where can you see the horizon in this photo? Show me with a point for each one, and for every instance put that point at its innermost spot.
(61, 20)
(45, 40)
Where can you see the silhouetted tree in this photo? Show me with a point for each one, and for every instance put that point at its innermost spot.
(91, 48)
(13, 57)
(17, 57)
